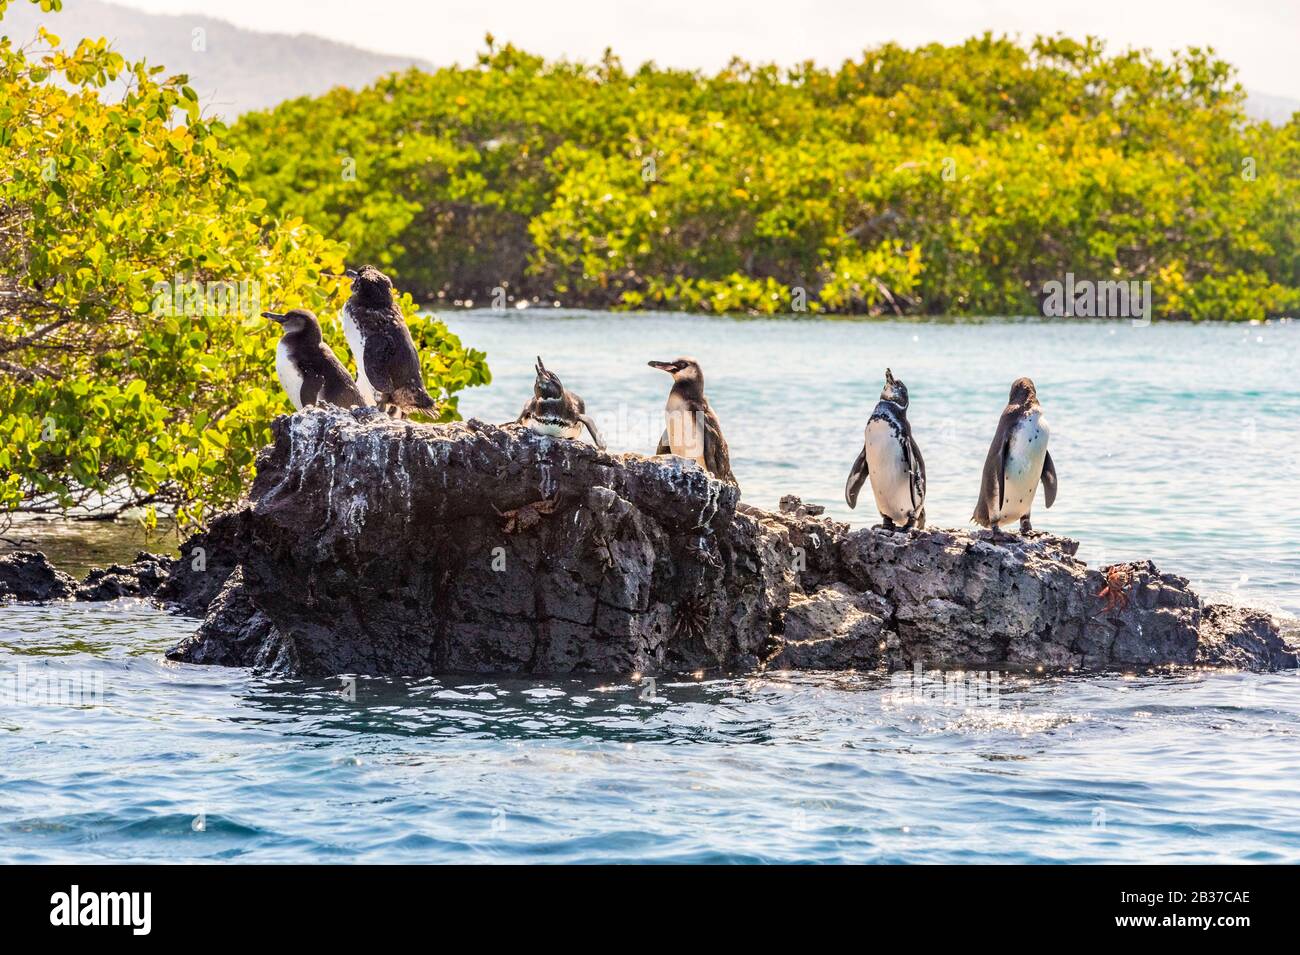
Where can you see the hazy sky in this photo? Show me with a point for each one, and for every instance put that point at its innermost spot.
(1259, 36)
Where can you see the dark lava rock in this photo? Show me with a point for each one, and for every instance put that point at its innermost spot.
(205, 564)
(793, 504)
(377, 546)
(964, 600)
(1246, 639)
(141, 578)
(836, 628)
(385, 547)
(236, 634)
(28, 576)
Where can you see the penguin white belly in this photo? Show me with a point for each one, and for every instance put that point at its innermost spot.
(1025, 457)
(357, 345)
(554, 429)
(887, 468)
(289, 375)
(685, 434)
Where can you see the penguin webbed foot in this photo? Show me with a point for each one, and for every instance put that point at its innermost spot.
(1026, 528)
(385, 405)
(887, 524)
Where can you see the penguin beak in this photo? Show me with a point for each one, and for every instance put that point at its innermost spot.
(889, 376)
(540, 368)
(350, 273)
(668, 366)
(273, 316)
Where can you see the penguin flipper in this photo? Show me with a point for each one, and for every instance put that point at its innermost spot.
(593, 430)
(377, 359)
(1049, 479)
(664, 447)
(717, 459)
(312, 385)
(991, 481)
(916, 471)
(1001, 473)
(856, 476)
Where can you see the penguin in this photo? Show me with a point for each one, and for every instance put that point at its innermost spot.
(388, 368)
(1017, 460)
(307, 367)
(556, 411)
(891, 458)
(692, 428)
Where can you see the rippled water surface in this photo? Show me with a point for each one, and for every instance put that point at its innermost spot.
(1181, 443)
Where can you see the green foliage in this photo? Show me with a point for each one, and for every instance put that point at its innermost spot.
(941, 180)
(121, 385)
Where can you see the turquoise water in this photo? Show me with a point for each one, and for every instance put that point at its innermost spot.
(1177, 442)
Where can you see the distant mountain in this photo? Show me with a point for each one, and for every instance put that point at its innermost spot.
(237, 70)
(232, 69)
(1276, 109)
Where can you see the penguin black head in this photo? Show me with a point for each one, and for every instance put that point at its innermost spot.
(894, 390)
(1023, 392)
(682, 369)
(297, 321)
(547, 384)
(371, 287)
